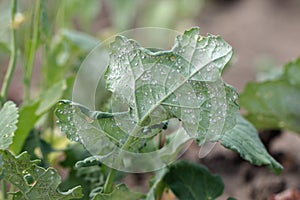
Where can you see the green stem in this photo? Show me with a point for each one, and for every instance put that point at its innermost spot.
(108, 186)
(13, 57)
(129, 140)
(110, 178)
(32, 49)
(159, 140)
(3, 188)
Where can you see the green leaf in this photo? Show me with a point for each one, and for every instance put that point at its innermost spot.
(273, 104)
(33, 181)
(149, 89)
(35, 142)
(51, 96)
(81, 40)
(4, 48)
(243, 139)
(292, 72)
(30, 113)
(8, 121)
(182, 83)
(74, 153)
(27, 120)
(46, 188)
(167, 84)
(194, 182)
(120, 192)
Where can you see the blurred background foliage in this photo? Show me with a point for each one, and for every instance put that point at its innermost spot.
(68, 30)
(55, 36)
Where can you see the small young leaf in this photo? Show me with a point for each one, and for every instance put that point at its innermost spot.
(8, 121)
(120, 192)
(33, 181)
(273, 104)
(243, 139)
(194, 182)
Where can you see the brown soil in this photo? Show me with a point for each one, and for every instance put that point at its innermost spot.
(245, 181)
(255, 29)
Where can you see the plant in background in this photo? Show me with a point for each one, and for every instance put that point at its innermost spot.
(272, 103)
(158, 101)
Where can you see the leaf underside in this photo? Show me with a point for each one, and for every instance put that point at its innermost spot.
(244, 139)
(150, 88)
(34, 182)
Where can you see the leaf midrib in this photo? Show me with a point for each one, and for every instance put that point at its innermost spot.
(158, 103)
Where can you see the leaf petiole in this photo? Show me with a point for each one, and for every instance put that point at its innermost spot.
(3, 188)
(109, 182)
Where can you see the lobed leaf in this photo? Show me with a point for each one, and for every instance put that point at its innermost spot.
(33, 181)
(182, 83)
(149, 88)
